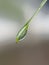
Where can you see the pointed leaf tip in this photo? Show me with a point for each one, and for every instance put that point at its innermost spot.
(17, 40)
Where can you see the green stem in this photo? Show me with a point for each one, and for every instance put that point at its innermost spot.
(37, 11)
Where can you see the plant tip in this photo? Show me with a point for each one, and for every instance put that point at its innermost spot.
(17, 40)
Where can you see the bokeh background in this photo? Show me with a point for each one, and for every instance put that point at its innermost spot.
(34, 49)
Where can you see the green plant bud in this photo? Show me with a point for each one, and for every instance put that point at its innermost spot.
(22, 33)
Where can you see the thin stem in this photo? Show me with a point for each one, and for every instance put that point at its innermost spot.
(37, 11)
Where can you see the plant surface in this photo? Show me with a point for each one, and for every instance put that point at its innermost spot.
(23, 31)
